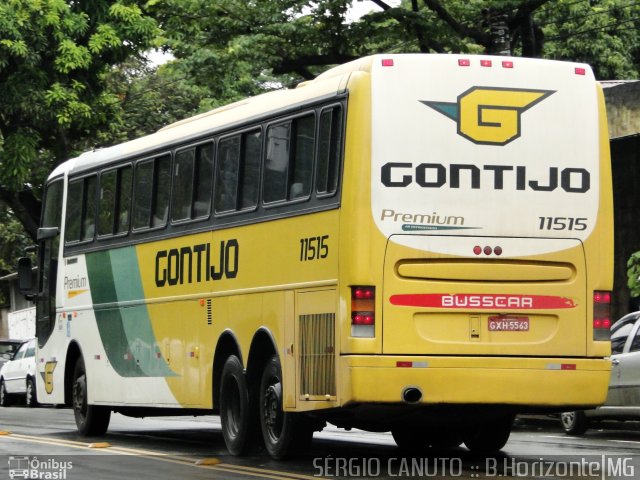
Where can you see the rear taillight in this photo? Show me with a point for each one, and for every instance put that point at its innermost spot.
(601, 315)
(363, 311)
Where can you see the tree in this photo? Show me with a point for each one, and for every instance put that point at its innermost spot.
(55, 57)
(238, 48)
(13, 242)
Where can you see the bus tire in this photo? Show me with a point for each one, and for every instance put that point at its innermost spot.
(4, 396)
(285, 433)
(91, 420)
(574, 423)
(489, 437)
(235, 406)
(409, 439)
(445, 439)
(31, 398)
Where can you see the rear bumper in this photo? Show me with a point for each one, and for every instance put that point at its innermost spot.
(526, 382)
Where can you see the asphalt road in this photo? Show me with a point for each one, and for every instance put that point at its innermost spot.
(44, 443)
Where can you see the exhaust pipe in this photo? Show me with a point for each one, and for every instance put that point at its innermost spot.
(411, 395)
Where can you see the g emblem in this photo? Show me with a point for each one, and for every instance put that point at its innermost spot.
(490, 115)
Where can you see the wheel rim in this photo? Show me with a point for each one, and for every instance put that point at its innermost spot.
(568, 419)
(80, 396)
(273, 416)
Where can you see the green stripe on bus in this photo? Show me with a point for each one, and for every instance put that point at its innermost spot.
(126, 332)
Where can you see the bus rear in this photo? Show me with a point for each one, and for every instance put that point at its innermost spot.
(481, 275)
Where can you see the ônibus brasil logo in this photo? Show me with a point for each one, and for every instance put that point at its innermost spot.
(490, 115)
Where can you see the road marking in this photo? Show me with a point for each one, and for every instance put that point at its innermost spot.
(223, 467)
(625, 441)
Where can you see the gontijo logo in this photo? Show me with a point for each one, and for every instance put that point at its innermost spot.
(490, 115)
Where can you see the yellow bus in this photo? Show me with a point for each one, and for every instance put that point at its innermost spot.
(419, 244)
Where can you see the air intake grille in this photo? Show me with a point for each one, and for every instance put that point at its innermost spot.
(317, 355)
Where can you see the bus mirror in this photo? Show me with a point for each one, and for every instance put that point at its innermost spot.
(25, 284)
(47, 232)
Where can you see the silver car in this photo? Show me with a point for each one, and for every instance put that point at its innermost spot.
(623, 399)
(17, 376)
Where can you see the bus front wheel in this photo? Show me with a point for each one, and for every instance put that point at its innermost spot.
(90, 419)
(235, 406)
(285, 433)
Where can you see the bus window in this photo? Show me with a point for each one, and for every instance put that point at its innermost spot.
(74, 211)
(329, 150)
(193, 183)
(81, 210)
(276, 162)
(162, 191)
(203, 181)
(114, 203)
(250, 169)
(289, 162)
(124, 199)
(183, 185)
(152, 190)
(302, 166)
(227, 174)
(107, 202)
(89, 208)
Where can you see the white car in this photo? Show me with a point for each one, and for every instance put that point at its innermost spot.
(623, 400)
(17, 377)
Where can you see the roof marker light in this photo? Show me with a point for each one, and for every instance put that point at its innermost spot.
(485, 63)
(507, 64)
(464, 62)
(387, 62)
(581, 71)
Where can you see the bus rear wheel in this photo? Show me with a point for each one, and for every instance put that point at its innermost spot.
(413, 439)
(284, 433)
(235, 407)
(490, 436)
(90, 419)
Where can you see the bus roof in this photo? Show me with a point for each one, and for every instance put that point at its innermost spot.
(192, 128)
(328, 84)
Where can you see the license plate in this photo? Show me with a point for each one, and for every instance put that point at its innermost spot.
(508, 324)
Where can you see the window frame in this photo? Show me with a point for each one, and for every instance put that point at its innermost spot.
(213, 141)
(154, 160)
(116, 168)
(340, 153)
(83, 208)
(260, 127)
(312, 112)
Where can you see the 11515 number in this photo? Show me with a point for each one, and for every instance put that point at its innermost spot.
(314, 248)
(562, 223)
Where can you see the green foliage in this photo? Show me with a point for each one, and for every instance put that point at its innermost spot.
(633, 274)
(236, 48)
(55, 57)
(604, 33)
(13, 241)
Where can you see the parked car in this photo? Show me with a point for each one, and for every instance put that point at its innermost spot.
(623, 399)
(8, 348)
(17, 376)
